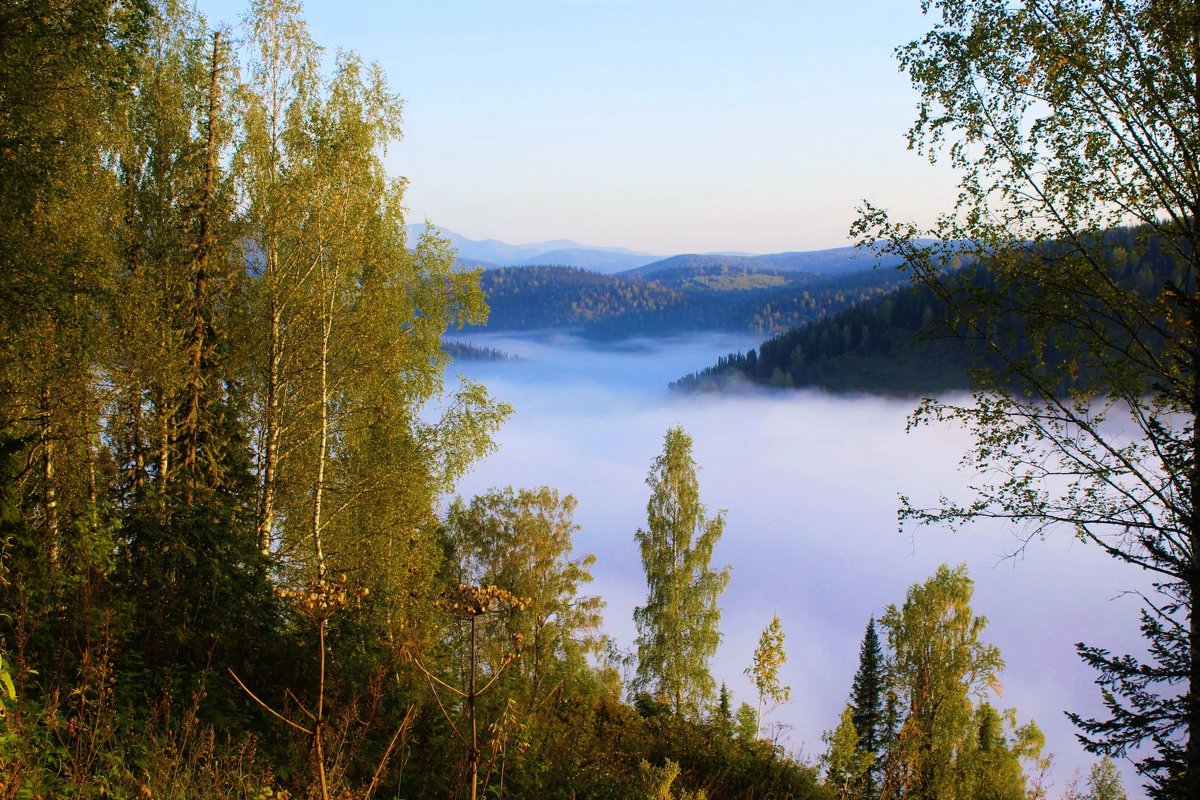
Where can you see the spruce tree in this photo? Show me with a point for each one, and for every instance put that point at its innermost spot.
(866, 701)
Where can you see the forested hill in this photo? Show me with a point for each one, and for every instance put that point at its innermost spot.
(677, 298)
(873, 347)
(834, 261)
(886, 344)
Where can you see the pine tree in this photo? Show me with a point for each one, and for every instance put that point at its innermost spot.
(678, 627)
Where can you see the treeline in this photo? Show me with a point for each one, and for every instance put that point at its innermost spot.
(530, 298)
(901, 343)
(673, 301)
(872, 347)
(466, 351)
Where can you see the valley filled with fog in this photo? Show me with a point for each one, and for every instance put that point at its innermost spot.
(810, 483)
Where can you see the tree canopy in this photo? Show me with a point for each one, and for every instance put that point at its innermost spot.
(678, 627)
(1066, 120)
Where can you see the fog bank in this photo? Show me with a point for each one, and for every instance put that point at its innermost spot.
(810, 484)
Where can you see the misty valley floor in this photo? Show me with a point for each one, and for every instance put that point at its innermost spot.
(810, 482)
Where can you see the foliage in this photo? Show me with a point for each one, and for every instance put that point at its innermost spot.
(1067, 120)
(522, 540)
(678, 629)
(847, 762)
(769, 657)
(1104, 783)
(227, 566)
(937, 665)
(893, 343)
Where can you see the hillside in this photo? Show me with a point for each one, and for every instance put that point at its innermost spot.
(834, 261)
(678, 299)
(874, 347)
(891, 343)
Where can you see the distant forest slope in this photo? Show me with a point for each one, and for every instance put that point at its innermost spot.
(834, 261)
(874, 347)
(888, 345)
(678, 299)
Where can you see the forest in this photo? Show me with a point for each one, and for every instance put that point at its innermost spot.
(898, 342)
(672, 300)
(232, 559)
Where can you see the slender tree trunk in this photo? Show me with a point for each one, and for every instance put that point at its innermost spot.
(133, 260)
(49, 489)
(319, 723)
(271, 436)
(323, 441)
(163, 398)
(135, 434)
(200, 272)
(164, 448)
(1191, 788)
(1192, 748)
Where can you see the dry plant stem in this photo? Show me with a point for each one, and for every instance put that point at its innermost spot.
(387, 753)
(269, 710)
(321, 714)
(473, 755)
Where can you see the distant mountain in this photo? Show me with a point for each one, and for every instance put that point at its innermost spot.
(474, 263)
(597, 260)
(835, 261)
(472, 252)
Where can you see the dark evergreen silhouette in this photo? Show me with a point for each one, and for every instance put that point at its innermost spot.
(867, 702)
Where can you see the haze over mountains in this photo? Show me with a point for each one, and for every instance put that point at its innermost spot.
(615, 293)
(493, 253)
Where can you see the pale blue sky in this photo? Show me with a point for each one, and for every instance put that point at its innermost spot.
(663, 125)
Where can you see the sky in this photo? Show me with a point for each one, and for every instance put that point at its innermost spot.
(809, 483)
(663, 126)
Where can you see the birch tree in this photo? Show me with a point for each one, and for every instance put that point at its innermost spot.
(678, 627)
(522, 542)
(769, 658)
(938, 665)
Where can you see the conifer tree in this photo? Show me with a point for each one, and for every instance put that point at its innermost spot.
(678, 629)
(867, 705)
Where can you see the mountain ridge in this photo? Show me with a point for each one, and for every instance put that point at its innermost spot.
(564, 252)
(494, 253)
